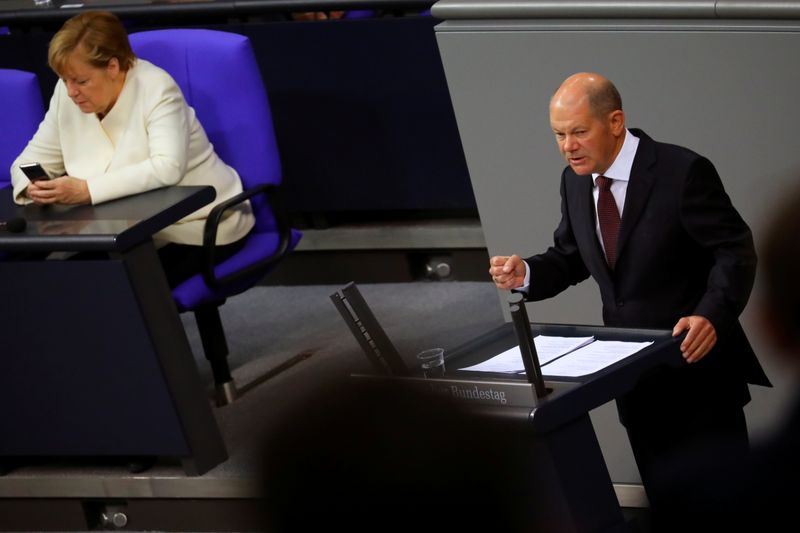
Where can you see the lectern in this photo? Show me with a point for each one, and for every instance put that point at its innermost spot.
(95, 360)
(567, 472)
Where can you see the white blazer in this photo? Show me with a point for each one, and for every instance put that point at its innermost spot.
(151, 138)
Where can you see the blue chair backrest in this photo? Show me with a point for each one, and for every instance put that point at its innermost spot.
(21, 112)
(219, 76)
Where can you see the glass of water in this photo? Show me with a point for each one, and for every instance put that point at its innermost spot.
(432, 362)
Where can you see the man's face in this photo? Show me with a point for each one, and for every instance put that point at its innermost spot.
(588, 143)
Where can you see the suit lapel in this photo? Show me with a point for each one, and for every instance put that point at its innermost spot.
(639, 188)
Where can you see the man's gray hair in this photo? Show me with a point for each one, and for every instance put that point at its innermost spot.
(604, 98)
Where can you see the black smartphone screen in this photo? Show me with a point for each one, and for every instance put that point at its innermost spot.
(34, 171)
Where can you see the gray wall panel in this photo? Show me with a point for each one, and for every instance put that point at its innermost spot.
(729, 94)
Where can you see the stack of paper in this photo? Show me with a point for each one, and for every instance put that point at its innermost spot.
(563, 356)
(548, 348)
(593, 357)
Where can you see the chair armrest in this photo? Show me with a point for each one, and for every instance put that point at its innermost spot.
(271, 192)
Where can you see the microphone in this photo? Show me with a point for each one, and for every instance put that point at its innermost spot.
(14, 225)
(527, 347)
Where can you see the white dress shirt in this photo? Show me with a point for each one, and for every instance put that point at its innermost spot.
(620, 172)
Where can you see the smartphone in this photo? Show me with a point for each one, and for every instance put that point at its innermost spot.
(34, 171)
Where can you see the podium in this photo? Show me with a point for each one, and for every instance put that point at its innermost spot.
(567, 472)
(95, 361)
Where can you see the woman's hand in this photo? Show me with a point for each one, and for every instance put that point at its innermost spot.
(64, 190)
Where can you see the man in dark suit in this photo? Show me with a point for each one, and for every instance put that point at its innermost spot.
(678, 256)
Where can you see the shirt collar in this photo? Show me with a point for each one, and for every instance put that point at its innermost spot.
(620, 169)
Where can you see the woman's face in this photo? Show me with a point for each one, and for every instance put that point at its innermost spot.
(93, 89)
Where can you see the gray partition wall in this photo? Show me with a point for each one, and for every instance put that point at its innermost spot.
(719, 77)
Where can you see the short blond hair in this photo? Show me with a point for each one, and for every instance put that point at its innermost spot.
(101, 36)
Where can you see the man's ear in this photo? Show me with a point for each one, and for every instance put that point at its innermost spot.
(616, 122)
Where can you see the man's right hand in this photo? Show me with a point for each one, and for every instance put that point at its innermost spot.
(508, 272)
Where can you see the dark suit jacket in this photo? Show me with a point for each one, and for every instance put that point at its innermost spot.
(682, 250)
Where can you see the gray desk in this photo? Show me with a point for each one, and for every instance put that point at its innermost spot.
(95, 361)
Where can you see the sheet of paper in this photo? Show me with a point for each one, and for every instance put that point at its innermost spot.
(550, 347)
(547, 348)
(592, 357)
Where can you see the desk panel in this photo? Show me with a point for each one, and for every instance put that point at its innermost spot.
(86, 377)
(95, 360)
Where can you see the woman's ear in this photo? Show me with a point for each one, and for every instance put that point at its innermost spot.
(113, 67)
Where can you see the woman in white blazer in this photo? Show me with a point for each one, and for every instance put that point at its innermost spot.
(117, 126)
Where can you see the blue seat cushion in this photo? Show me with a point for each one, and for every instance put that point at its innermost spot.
(194, 291)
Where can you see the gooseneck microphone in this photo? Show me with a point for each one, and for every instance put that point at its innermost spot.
(14, 225)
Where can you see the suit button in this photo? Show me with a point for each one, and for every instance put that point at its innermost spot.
(620, 303)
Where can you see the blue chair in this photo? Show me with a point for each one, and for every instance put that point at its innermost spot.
(21, 112)
(220, 79)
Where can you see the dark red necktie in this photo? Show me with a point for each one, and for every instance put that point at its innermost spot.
(608, 214)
